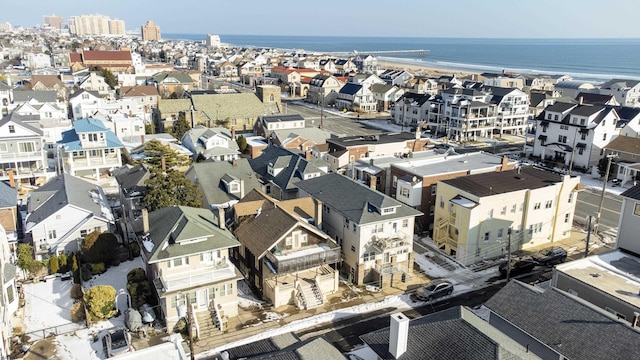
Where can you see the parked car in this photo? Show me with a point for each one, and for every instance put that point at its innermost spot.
(518, 266)
(434, 289)
(116, 342)
(550, 256)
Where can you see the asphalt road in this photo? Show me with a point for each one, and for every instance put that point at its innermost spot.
(588, 203)
(338, 125)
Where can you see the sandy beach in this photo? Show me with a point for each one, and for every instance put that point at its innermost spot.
(416, 69)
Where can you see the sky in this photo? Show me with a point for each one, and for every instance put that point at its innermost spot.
(422, 18)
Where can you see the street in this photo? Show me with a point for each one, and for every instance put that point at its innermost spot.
(588, 203)
(337, 125)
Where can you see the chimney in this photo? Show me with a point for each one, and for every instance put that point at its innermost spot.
(12, 180)
(505, 163)
(398, 334)
(221, 218)
(234, 162)
(145, 221)
(241, 188)
(317, 216)
(307, 155)
(142, 139)
(373, 182)
(233, 133)
(417, 133)
(636, 315)
(580, 100)
(163, 164)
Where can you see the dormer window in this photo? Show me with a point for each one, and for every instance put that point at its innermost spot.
(234, 187)
(389, 210)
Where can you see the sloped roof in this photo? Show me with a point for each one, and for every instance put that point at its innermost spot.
(138, 90)
(350, 89)
(171, 225)
(61, 191)
(294, 167)
(19, 120)
(621, 82)
(220, 106)
(47, 80)
(625, 144)
(353, 200)
(313, 134)
(563, 322)
(282, 118)
(110, 55)
(208, 176)
(8, 196)
(71, 141)
(42, 96)
(132, 178)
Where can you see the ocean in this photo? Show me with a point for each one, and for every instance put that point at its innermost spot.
(585, 59)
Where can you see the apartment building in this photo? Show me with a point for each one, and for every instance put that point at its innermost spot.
(150, 31)
(478, 217)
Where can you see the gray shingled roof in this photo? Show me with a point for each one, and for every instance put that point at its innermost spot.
(208, 175)
(568, 325)
(294, 167)
(61, 191)
(8, 196)
(170, 225)
(41, 96)
(442, 335)
(354, 201)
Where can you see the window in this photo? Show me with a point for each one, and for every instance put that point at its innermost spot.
(405, 223)
(404, 191)
(353, 248)
(369, 256)
(487, 235)
(477, 252)
(555, 117)
(570, 198)
(536, 206)
(564, 127)
(395, 181)
(178, 262)
(500, 232)
(580, 151)
(548, 116)
(26, 147)
(583, 136)
(12, 129)
(377, 228)
(210, 256)
(490, 213)
(548, 204)
(432, 210)
(566, 218)
(353, 227)
(562, 139)
(226, 289)
(433, 189)
(3, 147)
(604, 136)
(52, 234)
(503, 211)
(513, 208)
(441, 202)
(636, 209)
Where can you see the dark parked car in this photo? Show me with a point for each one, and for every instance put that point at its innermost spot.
(518, 266)
(550, 255)
(434, 289)
(116, 342)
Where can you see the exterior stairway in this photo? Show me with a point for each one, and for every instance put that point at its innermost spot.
(309, 295)
(211, 322)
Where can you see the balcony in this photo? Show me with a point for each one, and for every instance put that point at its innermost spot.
(22, 156)
(384, 241)
(93, 161)
(292, 261)
(174, 280)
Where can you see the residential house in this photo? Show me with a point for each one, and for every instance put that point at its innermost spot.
(626, 92)
(356, 94)
(132, 189)
(538, 82)
(366, 63)
(21, 97)
(627, 159)
(574, 135)
(344, 66)
(477, 217)
(630, 120)
(9, 220)
(504, 80)
(328, 65)
(9, 299)
(323, 90)
(284, 252)
(6, 96)
(169, 83)
(596, 99)
(62, 212)
(413, 109)
(396, 77)
(223, 183)
(268, 123)
(280, 169)
(571, 88)
(286, 345)
(86, 104)
(424, 85)
(226, 69)
(49, 83)
(385, 96)
(379, 145)
(96, 83)
(146, 96)
(217, 144)
(454, 333)
(563, 322)
(414, 182)
(90, 149)
(126, 128)
(375, 231)
(629, 226)
(187, 257)
(299, 139)
(22, 153)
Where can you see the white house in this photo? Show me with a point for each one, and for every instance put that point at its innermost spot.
(212, 143)
(627, 92)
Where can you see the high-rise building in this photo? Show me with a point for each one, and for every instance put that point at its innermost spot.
(150, 31)
(116, 27)
(5, 26)
(95, 25)
(52, 21)
(213, 40)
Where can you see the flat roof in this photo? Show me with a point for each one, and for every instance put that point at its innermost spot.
(452, 163)
(616, 273)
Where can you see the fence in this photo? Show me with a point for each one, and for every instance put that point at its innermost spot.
(53, 331)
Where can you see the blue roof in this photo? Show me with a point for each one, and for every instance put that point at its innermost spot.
(71, 141)
(88, 125)
(350, 88)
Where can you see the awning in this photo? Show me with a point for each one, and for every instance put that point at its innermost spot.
(581, 145)
(544, 123)
(542, 137)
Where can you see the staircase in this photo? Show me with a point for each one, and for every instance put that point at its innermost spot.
(309, 295)
(211, 322)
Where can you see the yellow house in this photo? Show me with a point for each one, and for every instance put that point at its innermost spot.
(477, 217)
(187, 259)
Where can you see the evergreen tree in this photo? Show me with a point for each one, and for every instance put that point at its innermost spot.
(242, 143)
(170, 188)
(26, 261)
(181, 126)
(156, 150)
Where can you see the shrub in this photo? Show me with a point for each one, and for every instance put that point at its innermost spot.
(140, 293)
(101, 302)
(135, 249)
(97, 269)
(75, 269)
(77, 311)
(54, 265)
(86, 272)
(62, 259)
(99, 247)
(76, 291)
(136, 275)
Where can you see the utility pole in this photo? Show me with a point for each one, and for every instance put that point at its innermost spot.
(508, 252)
(322, 110)
(586, 249)
(190, 321)
(604, 188)
(573, 150)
